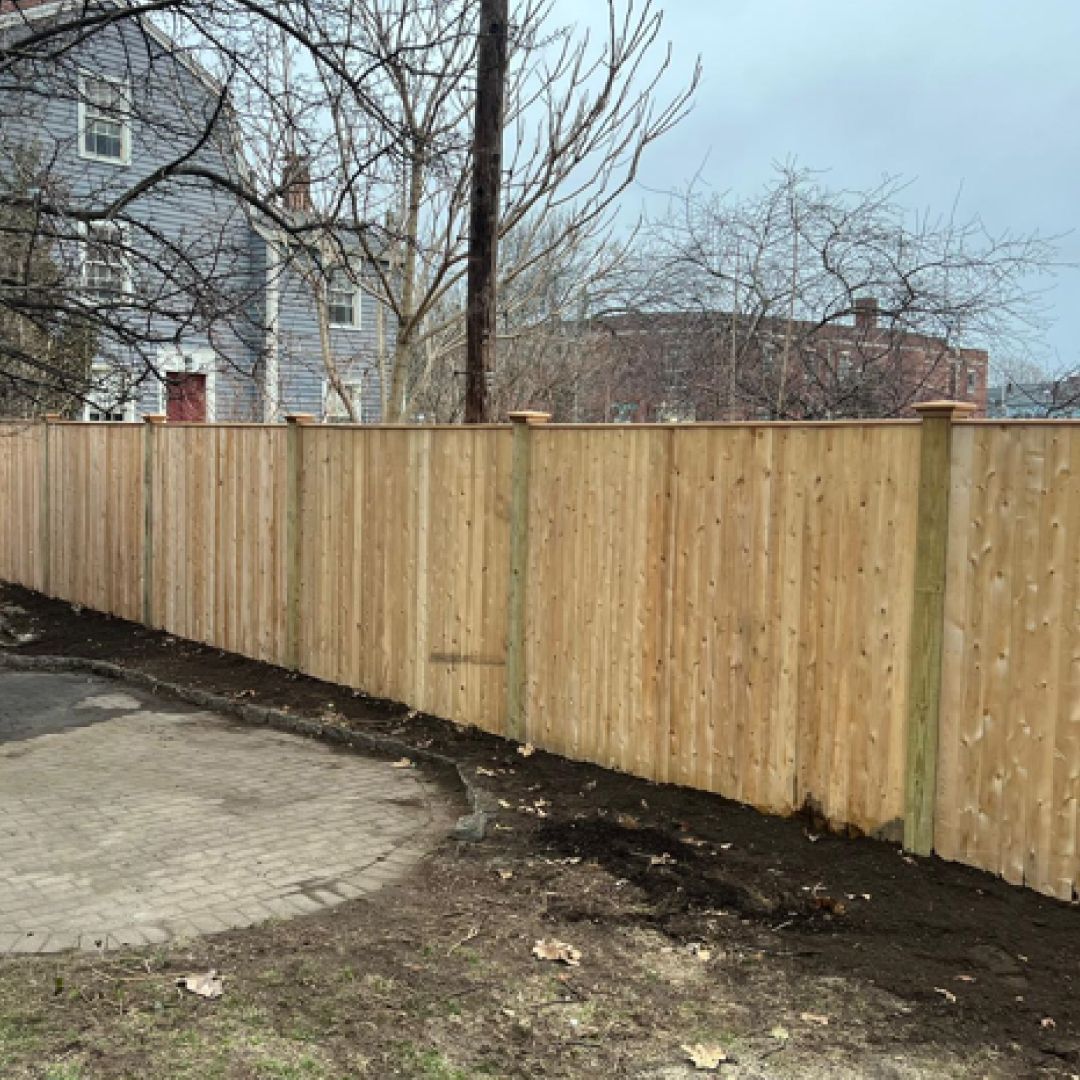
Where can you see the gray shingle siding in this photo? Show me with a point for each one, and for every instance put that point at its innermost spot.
(355, 350)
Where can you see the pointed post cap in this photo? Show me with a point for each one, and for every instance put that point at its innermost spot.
(944, 410)
(529, 416)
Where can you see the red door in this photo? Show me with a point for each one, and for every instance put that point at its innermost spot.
(185, 397)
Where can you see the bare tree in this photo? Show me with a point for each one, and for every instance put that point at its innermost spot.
(767, 289)
(579, 117)
(61, 347)
(542, 326)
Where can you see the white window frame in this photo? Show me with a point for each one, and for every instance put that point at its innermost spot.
(128, 284)
(102, 369)
(334, 409)
(86, 115)
(357, 304)
(197, 360)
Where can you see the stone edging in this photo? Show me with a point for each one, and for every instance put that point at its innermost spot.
(484, 806)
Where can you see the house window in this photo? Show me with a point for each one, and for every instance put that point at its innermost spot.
(343, 300)
(352, 386)
(105, 268)
(104, 119)
(972, 381)
(110, 397)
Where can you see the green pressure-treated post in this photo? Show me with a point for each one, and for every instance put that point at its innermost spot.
(150, 448)
(521, 469)
(293, 568)
(45, 524)
(928, 619)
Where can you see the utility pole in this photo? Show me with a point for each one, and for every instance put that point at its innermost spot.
(480, 319)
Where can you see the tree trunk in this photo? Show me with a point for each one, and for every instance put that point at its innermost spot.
(480, 327)
(398, 404)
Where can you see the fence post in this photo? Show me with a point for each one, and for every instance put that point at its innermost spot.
(151, 422)
(294, 492)
(45, 525)
(927, 619)
(521, 469)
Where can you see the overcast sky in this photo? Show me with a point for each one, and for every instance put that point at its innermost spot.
(978, 95)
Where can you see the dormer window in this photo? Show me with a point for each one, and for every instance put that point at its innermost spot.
(105, 119)
(343, 300)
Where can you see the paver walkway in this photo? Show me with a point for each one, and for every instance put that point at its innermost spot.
(127, 820)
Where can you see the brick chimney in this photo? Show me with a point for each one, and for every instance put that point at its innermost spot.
(866, 313)
(296, 183)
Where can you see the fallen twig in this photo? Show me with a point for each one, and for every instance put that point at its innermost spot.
(473, 933)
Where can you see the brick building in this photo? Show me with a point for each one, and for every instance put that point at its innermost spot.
(715, 366)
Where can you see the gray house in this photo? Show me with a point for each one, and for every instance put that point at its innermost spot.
(207, 303)
(1057, 399)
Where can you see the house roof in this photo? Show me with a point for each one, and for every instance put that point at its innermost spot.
(20, 12)
(7, 6)
(14, 12)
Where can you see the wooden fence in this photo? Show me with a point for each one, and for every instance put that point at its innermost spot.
(881, 620)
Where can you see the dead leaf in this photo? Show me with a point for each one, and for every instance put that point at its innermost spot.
(557, 951)
(662, 860)
(696, 948)
(813, 837)
(965, 978)
(725, 847)
(706, 1056)
(780, 1033)
(481, 771)
(948, 995)
(506, 805)
(814, 1018)
(691, 841)
(526, 750)
(403, 763)
(829, 903)
(206, 986)
(506, 875)
(627, 821)
(1048, 1023)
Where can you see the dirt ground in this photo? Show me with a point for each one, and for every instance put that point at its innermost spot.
(700, 924)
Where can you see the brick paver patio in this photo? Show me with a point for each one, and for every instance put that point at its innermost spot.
(126, 820)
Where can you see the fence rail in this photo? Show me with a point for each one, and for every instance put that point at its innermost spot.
(881, 620)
